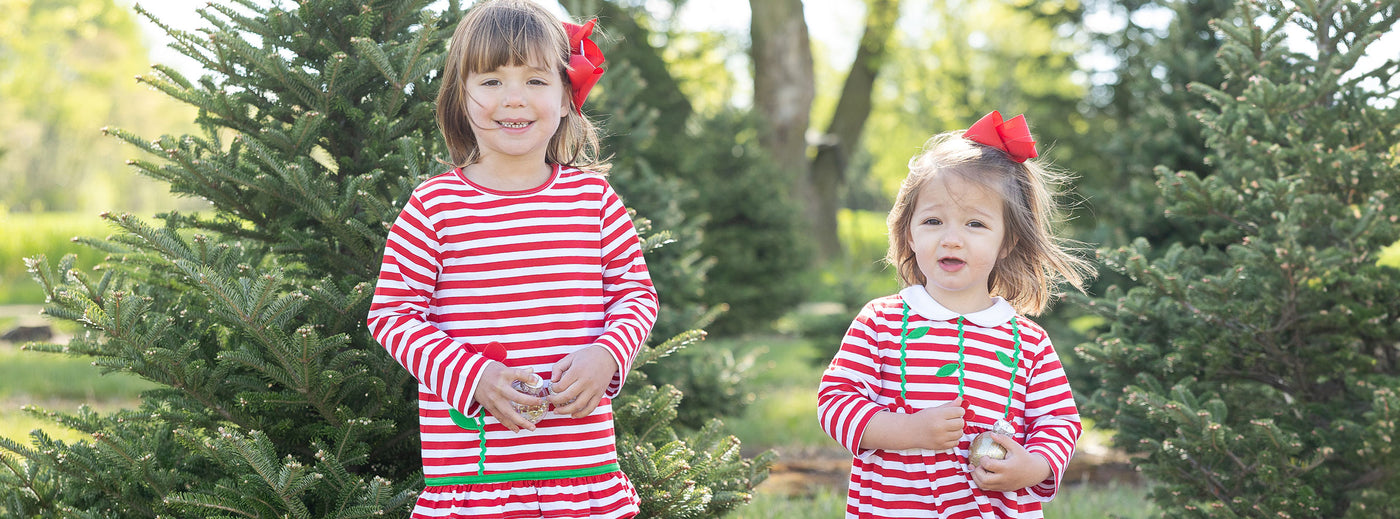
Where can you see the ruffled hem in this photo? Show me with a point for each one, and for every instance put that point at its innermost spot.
(603, 496)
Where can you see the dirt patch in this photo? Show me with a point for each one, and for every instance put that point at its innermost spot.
(808, 470)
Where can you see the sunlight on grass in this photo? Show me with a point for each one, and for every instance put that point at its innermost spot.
(1390, 256)
(781, 418)
(59, 383)
(1111, 500)
(818, 504)
(43, 376)
(785, 383)
(50, 234)
(16, 424)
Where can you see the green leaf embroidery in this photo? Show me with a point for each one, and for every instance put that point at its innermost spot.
(463, 421)
(917, 332)
(947, 369)
(1005, 360)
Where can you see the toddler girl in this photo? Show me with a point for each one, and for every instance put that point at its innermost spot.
(922, 372)
(519, 262)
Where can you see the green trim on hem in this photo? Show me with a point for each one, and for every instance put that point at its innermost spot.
(509, 477)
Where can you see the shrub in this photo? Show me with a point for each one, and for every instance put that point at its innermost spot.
(1255, 369)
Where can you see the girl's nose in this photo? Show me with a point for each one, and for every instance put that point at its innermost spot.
(514, 96)
(952, 239)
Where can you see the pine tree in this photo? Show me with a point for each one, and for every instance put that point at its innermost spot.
(1147, 113)
(317, 122)
(1255, 368)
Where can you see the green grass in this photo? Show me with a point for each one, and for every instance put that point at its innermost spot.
(784, 382)
(818, 504)
(50, 234)
(1108, 501)
(34, 376)
(58, 383)
(16, 425)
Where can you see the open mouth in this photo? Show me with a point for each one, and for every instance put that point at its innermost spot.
(513, 124)
(951, 264)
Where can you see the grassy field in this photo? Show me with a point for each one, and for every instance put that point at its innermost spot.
(60, 383)
(50, 234)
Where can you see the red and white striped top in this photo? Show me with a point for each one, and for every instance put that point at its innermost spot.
(864, 379)
(545, 272)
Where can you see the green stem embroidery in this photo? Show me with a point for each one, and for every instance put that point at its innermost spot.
(960, 367)
(961, 359)
(903, 359)
(473, 423)
(1013, 362)
(1015, 365)
(481, 437)
(904, 335)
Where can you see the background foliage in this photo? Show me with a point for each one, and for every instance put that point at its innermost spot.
(1253, 362)
(272, 399)
(65, 73)
(1163, 116)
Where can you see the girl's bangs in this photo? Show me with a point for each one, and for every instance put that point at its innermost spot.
(509, 42)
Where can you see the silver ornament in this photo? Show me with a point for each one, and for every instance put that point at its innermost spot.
(983, 446)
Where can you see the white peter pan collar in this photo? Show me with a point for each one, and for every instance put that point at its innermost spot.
(923, 304)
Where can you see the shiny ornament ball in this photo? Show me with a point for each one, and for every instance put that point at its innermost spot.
(983, 446)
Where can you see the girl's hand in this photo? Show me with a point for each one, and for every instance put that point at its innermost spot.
(494, 392)
(1019, 470)
(579, 380)
(941, 427)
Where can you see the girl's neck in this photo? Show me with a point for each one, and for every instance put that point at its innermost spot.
(508, 177)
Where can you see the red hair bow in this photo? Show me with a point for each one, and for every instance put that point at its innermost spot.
(584, 61)
(1012, 137)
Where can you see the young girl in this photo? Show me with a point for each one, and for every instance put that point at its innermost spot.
(922, 372)
(513, 264)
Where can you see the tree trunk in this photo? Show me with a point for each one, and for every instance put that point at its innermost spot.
(784, 86)
(828, 170)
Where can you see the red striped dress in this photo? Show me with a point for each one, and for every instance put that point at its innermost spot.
(545, 272)
(864, 379)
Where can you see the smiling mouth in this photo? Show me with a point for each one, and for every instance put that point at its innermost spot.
(515, 125)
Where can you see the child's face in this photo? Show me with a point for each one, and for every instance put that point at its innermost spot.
(515, 110)
(956, 234)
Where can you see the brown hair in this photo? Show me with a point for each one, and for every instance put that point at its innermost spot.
(1035, 259)
(499, 33)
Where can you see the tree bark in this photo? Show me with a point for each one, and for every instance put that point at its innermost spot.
(784, 87)
(834, 149)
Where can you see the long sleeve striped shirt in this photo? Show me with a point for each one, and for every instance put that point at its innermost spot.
(865, 378)
(544, 272)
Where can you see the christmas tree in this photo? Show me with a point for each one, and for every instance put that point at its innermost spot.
(1254, 368)
(317, 121)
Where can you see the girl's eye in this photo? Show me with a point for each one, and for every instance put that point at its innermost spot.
(491, 82)
(932, 221)
(539, 82)
(975, 223)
